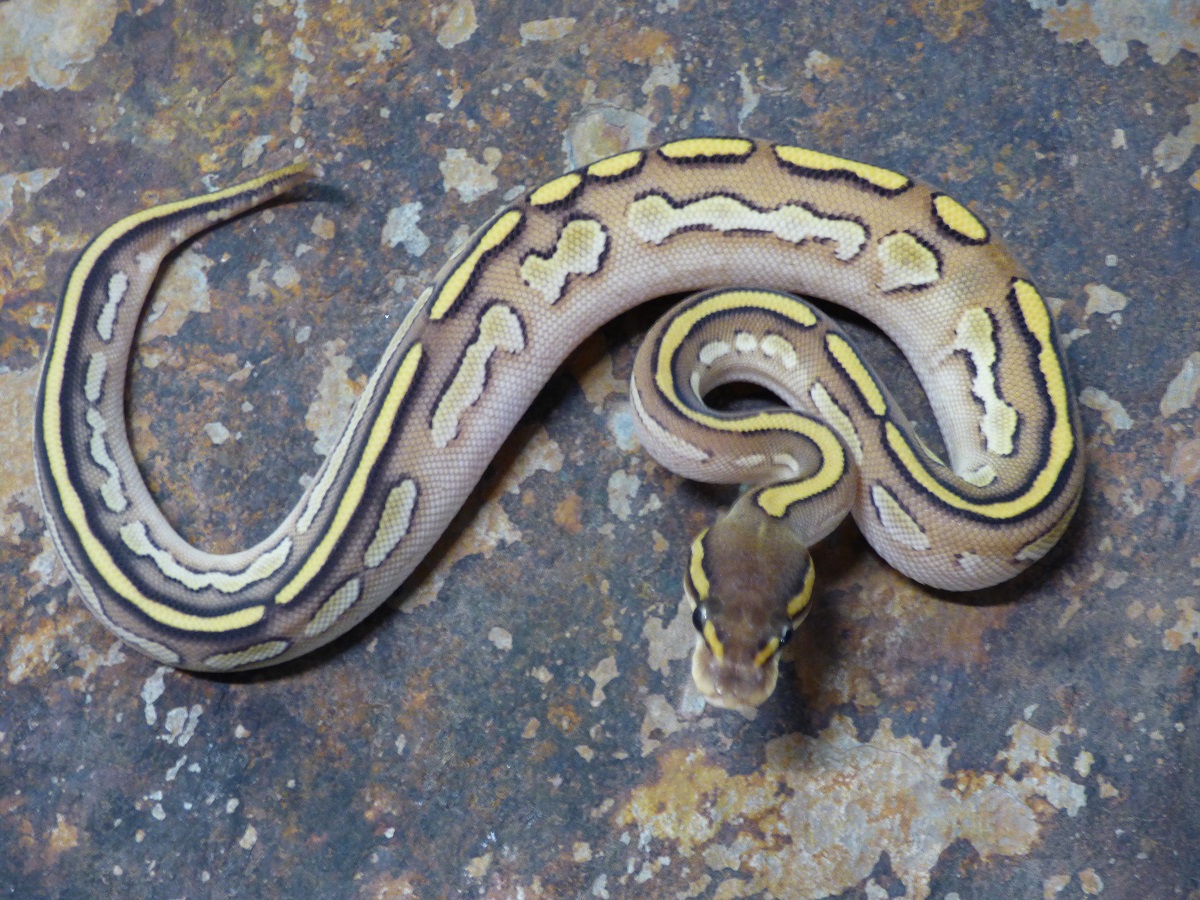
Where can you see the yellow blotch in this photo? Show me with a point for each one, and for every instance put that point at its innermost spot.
(906, 262)
(822, 162)
(707, 148)
(616, 166)
(769, 650)
(557, 190)
(959, 219)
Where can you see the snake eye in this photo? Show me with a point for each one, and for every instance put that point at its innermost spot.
(700, 617)
(785, 635)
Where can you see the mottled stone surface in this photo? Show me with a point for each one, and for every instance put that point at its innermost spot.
(524, 725)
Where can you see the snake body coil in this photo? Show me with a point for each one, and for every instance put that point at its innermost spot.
(505, 312)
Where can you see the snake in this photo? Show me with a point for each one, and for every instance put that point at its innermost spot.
(755, 227)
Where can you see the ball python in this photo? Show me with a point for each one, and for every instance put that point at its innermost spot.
(747, 220)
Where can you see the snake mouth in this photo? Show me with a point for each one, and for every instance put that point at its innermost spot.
(732, 684)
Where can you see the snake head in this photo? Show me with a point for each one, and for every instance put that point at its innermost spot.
(748, 597)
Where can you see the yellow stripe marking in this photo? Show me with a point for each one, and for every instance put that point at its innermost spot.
(705, 148)
(959, 219)
(616, 166)
(460, 278)
(381, 430)
(822, 162)
(837, 420)
(857, 372)
(557, 190)
(333, 463)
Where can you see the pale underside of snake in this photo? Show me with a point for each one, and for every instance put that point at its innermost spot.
(749, 218)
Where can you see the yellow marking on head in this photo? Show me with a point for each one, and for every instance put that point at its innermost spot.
(799, 603)
(460, 278)
(857, 372)
(654, 219)
(696, 568)
(884, 179)
(331, 610)
(499, 329)
(896, 521)
(905, 262)
(691, 149)
(557, 190)
(377, 440)
(578, 251)
(767, 652)
(975, 336)
(394, 522)
(959, 219)
(255, 654)
(616, 166)
(714, 642)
